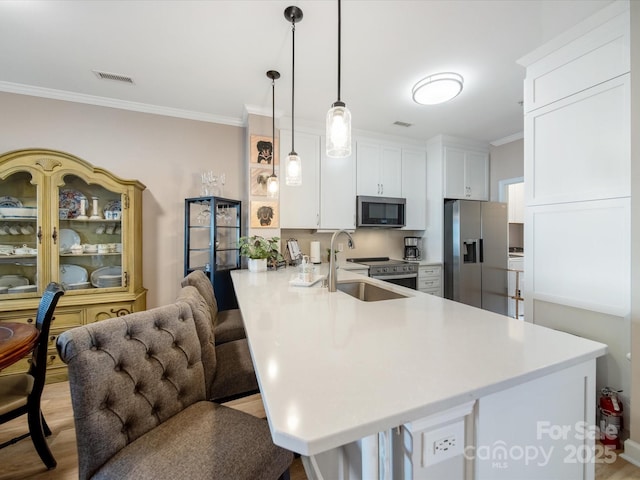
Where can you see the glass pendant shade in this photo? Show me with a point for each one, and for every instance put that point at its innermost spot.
(338, 131)
(294, 170)
(272, 186)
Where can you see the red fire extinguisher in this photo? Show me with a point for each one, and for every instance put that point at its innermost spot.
(610, 409)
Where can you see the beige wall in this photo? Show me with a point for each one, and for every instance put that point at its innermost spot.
(166, 154)
(507, 161)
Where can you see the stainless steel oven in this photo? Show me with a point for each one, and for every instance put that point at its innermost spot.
(399, 272)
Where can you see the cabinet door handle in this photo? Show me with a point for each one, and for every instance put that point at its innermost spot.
(39, 235)
(55, 235)
(382, 189)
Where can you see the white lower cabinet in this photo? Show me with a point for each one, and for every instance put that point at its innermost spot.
(430, 279)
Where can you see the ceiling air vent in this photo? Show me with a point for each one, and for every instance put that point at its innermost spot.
(402, 124)
(113, 76)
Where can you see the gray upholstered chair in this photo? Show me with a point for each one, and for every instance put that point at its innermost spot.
(139, 402)
(228, 368)
(227, 324)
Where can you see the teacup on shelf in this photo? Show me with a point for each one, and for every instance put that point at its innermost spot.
(76, 249)
(89, 248)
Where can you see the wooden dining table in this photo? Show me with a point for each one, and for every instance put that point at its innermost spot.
(16, 341)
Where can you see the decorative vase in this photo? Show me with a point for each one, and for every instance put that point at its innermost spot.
(257, 264)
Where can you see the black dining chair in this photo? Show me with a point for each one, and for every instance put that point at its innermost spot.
(20, 394)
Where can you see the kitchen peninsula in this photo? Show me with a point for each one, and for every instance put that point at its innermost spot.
(334, 371)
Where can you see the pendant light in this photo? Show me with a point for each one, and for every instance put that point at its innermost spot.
(339, 116)
(294, 165)
(272, 181)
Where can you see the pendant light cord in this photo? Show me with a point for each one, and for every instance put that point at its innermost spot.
(339, 44)
(293, 80)
(273, 126)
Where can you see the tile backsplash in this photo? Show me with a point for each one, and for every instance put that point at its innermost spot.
(369, 242)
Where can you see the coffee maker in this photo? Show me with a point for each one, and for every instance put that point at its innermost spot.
(411, 250)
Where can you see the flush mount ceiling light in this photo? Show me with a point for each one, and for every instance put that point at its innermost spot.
(293, 178)
(272, 181)
(437, 88)
(339, 116)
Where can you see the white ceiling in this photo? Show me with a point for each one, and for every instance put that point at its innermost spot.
(207, 59)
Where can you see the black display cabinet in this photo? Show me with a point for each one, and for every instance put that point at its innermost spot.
(211, 243)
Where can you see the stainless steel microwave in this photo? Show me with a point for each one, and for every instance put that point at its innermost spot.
(380, 212)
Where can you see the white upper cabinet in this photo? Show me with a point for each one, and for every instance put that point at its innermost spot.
(466, 174)
(300, 206)
(337, 192)
(414, 187)
(379, 169)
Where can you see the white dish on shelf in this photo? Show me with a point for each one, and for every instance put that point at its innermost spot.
(18, 212)
(23, 289)
(7, 201)
(78, 286)
(67, 238)
(113, 277)
(297, 282)
(70, 274)
(13, 281)
(112, 206)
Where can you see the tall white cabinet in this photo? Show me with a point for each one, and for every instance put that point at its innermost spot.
(300, 206)
(577, 166)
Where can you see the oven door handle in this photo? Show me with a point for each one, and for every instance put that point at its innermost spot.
(400, 276)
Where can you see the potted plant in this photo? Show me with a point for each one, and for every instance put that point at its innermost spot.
(258, 251)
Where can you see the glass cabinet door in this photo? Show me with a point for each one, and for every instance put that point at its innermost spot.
(212, 234)
(20, 233)
(88, 242)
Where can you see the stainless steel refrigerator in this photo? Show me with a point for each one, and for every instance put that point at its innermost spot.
(476, 253)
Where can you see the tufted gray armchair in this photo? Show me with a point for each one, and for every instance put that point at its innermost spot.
(228, 368)
(139, 401)
(227, 324)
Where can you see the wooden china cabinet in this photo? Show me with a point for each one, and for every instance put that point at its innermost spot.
(64, 220)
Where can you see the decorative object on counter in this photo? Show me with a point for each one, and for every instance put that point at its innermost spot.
(272, 181)
(339, 116)
(264, 214)
(437, 88)
(74, 201)
(260, 251)
(314, 252)
(294, 165)
(294, 255)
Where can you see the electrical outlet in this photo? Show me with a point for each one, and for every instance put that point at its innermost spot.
(439, 444)
(444, 445)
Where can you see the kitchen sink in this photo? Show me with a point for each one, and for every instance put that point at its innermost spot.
(367, 292)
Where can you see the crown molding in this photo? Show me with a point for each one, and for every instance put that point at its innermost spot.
(507, 139)
(67, 96)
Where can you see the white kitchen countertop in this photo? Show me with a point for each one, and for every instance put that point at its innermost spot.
(333, 369)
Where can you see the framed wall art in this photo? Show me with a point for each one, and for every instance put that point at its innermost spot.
(264, 214)
(262, 151)
(258, 180)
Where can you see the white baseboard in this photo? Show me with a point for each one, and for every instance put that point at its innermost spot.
(631, 452)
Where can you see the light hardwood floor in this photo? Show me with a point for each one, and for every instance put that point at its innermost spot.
(20, 461)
